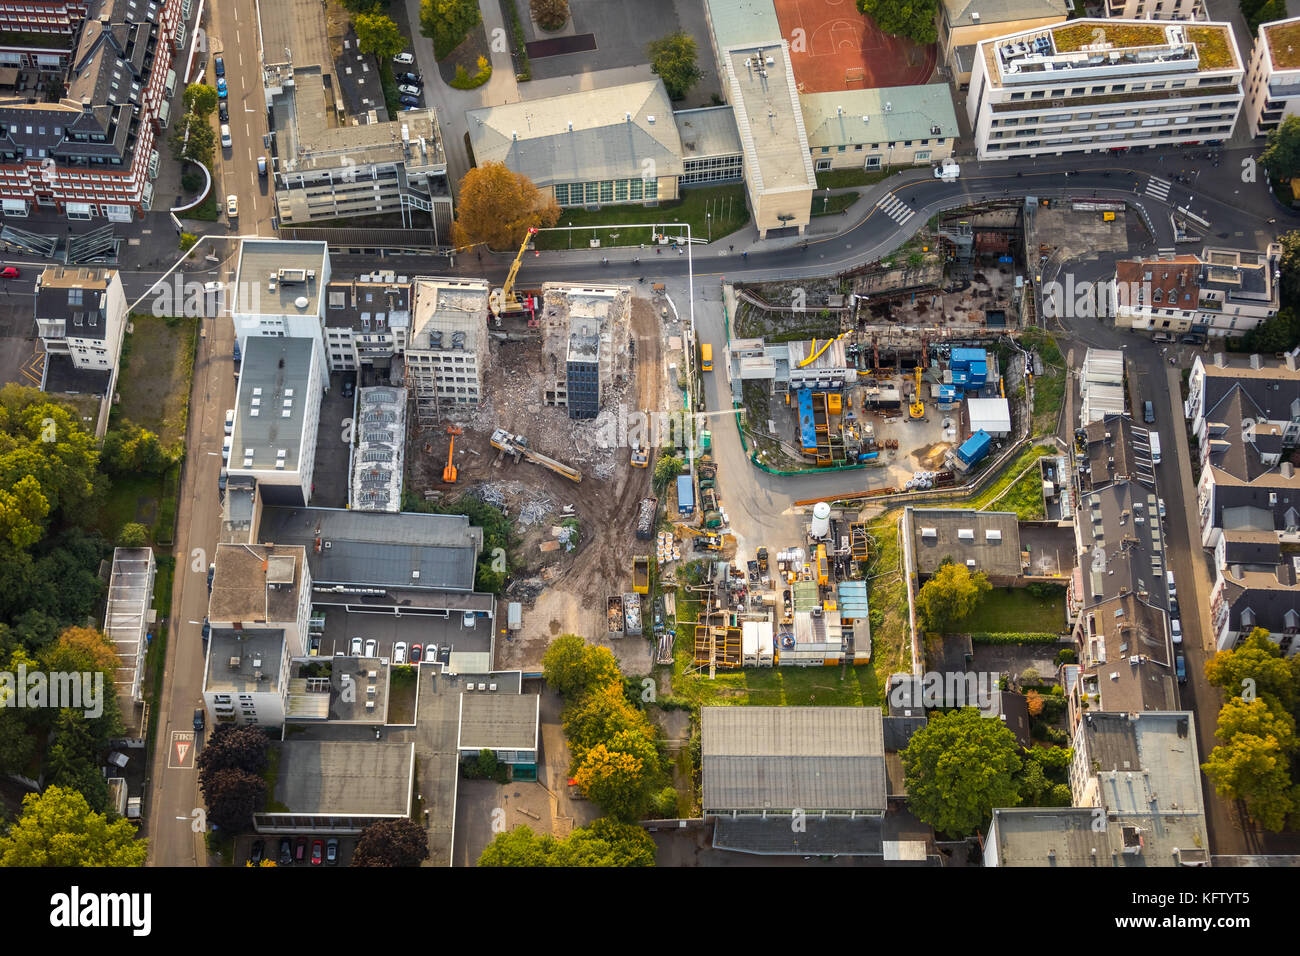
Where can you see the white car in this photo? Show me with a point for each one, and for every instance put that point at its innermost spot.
(468, 619)
(230, 421)
(356, 647)
(1176, 627)
(232, 206)
(1162, 507)
(225, 448)
(226, 141)
(399, 652)
(405, 59)
(371, 647)
(409, 90)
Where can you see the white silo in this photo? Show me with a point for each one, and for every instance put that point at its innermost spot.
(821, 520)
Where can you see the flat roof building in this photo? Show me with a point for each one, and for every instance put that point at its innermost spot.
(1273, 78)
(340, 787)
(279, 291)
(449, 349)
(497, 720)
(377, 465)
(876, 129)
(246, 676)
(367, 321)
(984, 541)
(262, 587)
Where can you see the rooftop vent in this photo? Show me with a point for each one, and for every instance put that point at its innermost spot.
(301, 302)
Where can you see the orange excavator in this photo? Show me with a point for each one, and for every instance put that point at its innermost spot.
(449, 473)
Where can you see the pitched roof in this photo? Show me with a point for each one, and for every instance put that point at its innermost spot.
(1001, 11)
(879, 115)
(579, 137)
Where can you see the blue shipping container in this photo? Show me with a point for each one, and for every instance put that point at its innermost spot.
(975, 447)
(685, 495)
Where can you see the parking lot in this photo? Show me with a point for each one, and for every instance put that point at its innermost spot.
(386, 630)
(270, 847)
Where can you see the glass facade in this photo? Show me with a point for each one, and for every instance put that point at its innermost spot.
(607, 191)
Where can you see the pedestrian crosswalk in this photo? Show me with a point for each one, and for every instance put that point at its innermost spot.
(1167, 251)
(1158, 188)
(896, 209)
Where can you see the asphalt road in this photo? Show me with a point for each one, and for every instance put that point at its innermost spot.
(233, 33)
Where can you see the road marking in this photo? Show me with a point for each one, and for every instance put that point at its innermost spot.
(1158, 188)
(182, 751)
(895, 208)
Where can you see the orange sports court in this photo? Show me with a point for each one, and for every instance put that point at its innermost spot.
(844, 50)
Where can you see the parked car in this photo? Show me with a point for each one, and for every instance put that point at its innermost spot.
(372, 646)
(356, 647)
(212, 571)
(259, 848)
(198, 719)
(317, 853)
(1176, 628)
(226, 141)
(1169, 578)
(412, 78)
(1173, 607)
(261, 165)
(409, 100)
(222, 92)
(467, 620)
(225, 448)
(1180, 666)
(405, 59)
(348, 388)
(332, 852)
(409, 89)
(1162, 507)
(230, 421)
(223, 111)
(444, 654)
(416, 651)
(9, 272)
(221, 481)
(1148, 413)
(220, 65)
(207, 629)
(300, 850)
(399, 652)
(232, 206)
(286, 851)
(947, 170)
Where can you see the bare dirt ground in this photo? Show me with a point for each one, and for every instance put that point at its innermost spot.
(563, 592)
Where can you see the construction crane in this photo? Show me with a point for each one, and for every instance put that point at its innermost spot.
(517, 445)
(449, 473)
(504, 299)
(917, 409)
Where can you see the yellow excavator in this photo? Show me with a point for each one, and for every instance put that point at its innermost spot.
(504, 300)
(917, 409)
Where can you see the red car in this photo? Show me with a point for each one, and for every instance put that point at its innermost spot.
(416, 652)
(9, 272)
(316, 853)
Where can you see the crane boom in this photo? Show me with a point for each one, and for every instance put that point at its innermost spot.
(503, 299)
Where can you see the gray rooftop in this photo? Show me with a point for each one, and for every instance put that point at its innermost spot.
(1068, 836)
(606, 133)
(297, 268)
(498, 721)
(743, 21)
(271, 407)
(379, 550)
(237, 658)
(76, 295)
(359, 306)
(709, 131)
(893, 114)
(777, 758)
(257, 584)
(344, 777)
(992, 542)
(959, 12)
(1145, 763)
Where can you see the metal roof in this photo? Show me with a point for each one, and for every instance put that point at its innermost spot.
(709, 131)
(273, 380)
(779, 758)
(126, 616)
(498, 720)
(346, 777)
(880, 115)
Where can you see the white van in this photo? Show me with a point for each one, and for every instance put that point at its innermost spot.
(948, 170)
(225, 135)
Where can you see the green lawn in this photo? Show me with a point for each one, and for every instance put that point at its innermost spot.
(1025, 497)
(155, 379)
(714, 211)
(1015, 609)
(833, 205)
(1008, 476)
(130, 499)
(206, 211)
(1049, 388)
(775, 686)
(837, 178)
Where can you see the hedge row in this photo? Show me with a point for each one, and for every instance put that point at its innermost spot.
(1014, 637)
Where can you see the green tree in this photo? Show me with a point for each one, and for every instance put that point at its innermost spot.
(58, 828)
(46, 441)
(447, 22)
(950, 596)
(194, 139)
(200, 99)
(364, 6)
(379, 35)
(133, 535)
(550, 14)
(232, 747)
(23, 510)
(131, 450)
(1278, 334)
(603, 843)
(498, 207)
(392, 843)
(673, 57)
(958, 769)
(1254, 770)
(1254, 668)
(572, 667)
(913, 19)
(1258, 719)
(233, 796)
(667, 468)
(620, 774)
(598, 716)
(1281, 154)
(519, 847)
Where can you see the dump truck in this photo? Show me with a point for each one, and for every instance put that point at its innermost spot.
(645, 519)
(614, 614)
(706, 440)
(517, 445)
(632, 614)
(709, 505)
(640, 457)
(641, 573)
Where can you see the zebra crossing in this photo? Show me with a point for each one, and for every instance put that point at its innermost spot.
(1167, 251)
(896, 209)
(1158, 188)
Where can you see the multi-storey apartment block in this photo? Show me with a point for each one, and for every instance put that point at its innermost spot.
(89, 153)
(1104, 85)
(1154, 9)
(1273, 80)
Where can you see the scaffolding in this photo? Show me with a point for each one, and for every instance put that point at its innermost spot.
(424, 395)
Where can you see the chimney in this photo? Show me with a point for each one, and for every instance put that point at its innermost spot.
(1220, 360)
(1287, 469)
(1256, 362)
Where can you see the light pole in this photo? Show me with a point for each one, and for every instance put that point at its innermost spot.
(708, 221)
(570, 235)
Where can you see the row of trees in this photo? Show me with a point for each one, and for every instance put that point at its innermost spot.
(1257, 729)
(193, 137)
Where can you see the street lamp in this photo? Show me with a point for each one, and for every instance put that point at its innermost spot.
(708, 221)
(570, 235)
(826, 200)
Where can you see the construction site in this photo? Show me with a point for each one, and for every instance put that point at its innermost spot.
(522, 400)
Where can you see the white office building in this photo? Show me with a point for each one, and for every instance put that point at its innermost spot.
(1273, 80)
(279, 291)
(1091, 86)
